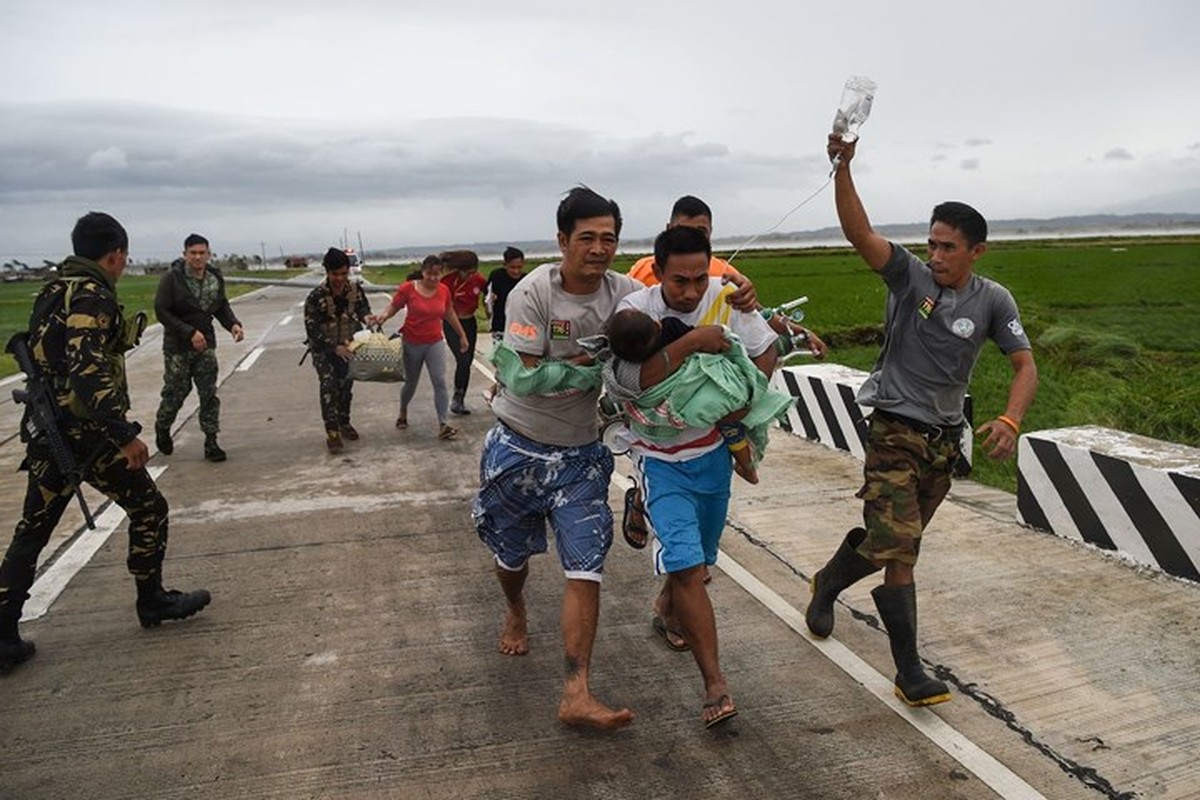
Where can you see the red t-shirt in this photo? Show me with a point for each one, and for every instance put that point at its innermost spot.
(423, 325)
(465, 291)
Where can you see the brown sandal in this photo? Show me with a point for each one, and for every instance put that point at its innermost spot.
(447, 432)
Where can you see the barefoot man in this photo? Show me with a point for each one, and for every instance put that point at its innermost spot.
(543, 461)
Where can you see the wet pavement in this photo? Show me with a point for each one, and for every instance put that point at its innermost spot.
(350, 649)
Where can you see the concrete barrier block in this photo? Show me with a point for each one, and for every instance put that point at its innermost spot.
(825, 410)
(1116, 490)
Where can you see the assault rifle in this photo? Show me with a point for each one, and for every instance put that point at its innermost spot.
(42, 418)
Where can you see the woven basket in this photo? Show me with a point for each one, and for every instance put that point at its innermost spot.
(377, 359)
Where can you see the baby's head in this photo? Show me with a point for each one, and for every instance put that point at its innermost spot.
(632, 335)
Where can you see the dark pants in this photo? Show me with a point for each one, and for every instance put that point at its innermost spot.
(336, 387)
(48, 495)
(462, 369)
(180, 371)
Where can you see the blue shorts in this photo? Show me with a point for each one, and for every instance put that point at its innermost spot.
(523, 483)
(686, 502)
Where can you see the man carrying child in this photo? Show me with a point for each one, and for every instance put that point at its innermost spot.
(686, 476)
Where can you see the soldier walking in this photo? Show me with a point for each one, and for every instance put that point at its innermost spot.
(189, 296)
(334, 311)
(77, 340)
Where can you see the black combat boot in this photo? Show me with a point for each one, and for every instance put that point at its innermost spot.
(898, 607)
(845, 568)
(155, 604)
(212, 450)
(162, 439)
(13, 649)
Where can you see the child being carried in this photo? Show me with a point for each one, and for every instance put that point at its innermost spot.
(726, 390)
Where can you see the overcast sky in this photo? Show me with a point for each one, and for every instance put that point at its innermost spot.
(276, 125)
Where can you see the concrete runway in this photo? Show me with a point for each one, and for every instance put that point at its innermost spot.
(350, 649)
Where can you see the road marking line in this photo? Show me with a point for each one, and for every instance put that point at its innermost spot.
(998, 777)
(51, 583)
(249, 360)
(287, 319)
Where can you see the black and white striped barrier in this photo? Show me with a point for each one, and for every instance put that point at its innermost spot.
(1116, 490)
(826, 411)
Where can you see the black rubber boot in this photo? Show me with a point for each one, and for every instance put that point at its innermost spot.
(845, 568)
(898, 607)
(162, 440)
(212, 450)
(155, 604)
(13, 649)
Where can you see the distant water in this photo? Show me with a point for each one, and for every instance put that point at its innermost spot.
(729, 245)
(642, 247)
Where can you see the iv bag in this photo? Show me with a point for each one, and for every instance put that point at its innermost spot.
(855, 107)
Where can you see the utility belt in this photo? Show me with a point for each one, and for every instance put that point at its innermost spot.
(931, 432)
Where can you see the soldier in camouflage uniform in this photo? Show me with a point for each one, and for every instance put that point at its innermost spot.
(940, 314)
(78, 337)
(189, 296)
(333, 313)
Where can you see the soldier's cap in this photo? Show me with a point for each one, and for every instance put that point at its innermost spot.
(335, 259)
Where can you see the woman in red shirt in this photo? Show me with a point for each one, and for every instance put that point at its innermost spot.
(429, 303)
(466, 285)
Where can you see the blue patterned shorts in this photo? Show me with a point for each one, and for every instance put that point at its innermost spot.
(523, 484)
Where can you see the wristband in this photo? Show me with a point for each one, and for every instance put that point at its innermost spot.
(1010, 422)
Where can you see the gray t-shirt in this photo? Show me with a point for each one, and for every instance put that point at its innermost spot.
(546, 321)
(933, 339)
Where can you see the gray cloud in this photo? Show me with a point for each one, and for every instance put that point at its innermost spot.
(977, 141)
(969, 164)
(185, 164)
(1118, 154)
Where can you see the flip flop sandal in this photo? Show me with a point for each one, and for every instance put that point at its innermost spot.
(447, 432)
(728, 714)
(636, 535)
(660, 627)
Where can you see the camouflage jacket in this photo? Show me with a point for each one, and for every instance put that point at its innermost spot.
(330, 320)
(78, 337)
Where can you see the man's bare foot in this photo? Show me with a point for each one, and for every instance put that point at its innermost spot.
(514, 637)
(586, 711)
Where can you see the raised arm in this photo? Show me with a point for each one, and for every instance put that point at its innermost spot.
(873, 248)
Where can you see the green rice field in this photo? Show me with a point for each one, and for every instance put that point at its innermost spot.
(1115, 325)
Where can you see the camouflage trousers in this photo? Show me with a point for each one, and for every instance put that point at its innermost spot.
(336, 387)
(906, 475)
(180, 371)
(48, 495)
